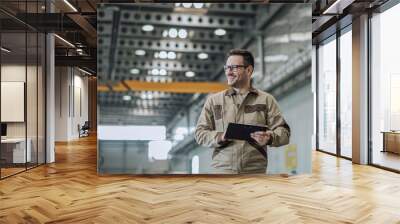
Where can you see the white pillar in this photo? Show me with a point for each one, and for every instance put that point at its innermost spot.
(50, 99)
(360, 90)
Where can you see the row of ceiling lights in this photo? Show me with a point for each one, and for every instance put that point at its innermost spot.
(165, 55)
(181, 33)
(174, 33)
(168, 54)
(190, 5)
(162, 72)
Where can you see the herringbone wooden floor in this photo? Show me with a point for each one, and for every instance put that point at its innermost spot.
(70, 191)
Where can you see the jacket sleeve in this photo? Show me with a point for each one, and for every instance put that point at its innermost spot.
(277, 124)
(205, 133)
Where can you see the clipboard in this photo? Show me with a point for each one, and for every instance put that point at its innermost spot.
(242, 131)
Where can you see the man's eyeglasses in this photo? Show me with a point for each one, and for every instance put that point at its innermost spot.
(234, 67)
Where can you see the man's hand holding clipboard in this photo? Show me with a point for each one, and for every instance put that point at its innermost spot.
(260, 134)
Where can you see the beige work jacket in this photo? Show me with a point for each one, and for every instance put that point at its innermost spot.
(257, 108)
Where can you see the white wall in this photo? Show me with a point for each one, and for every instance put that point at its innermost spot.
(12, 73)
(71, 102)
(33, 126)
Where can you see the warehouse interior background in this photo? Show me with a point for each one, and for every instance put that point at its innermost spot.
(172, 43)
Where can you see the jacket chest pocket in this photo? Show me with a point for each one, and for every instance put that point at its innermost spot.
(217, 112)
(255, 114)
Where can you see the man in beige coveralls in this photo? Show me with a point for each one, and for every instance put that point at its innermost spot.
(241, 103)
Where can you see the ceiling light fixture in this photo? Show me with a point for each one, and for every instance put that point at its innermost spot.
(220, 32)
(127, 97)
(70, 5)
(134, 71)
(337, 7)
(198, 5)
(173, 33)
(187, 5)
(165, 33)
(163, 72)
(84, 71)
(65, 41)
(5, 50)
(148, 28)
(171, 55)
(182, 33)
(202, 56)
(155, 71)
(140, 52)
(189, 74)
(163, 55)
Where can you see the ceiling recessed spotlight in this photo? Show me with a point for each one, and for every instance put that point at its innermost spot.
(189, 74)
(220, 32)
(198, 5)
(156, 55)
(79, 50)
(182, 33)
(140, 52)
(171, 55)
(187, 5)
(148, 28)
(202, 56)
(135, 71)
(163, 72)
(127, 97)
(173, 33)
(163, 55)
(155, 71)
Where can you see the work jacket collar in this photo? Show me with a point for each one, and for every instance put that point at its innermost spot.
(231, 91)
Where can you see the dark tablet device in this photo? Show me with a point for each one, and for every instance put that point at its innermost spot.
(242, 131)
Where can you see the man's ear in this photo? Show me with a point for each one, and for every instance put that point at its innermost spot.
(250, 70)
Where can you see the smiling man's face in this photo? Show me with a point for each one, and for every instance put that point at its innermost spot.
(240, 76)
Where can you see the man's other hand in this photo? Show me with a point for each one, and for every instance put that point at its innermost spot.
(261, 137)
(221, 137)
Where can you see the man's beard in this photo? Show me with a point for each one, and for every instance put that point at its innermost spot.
(233, 81)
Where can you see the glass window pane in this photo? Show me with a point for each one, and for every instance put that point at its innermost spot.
(14, 150)
(31, 96)
(386, 89)
(327, 96)
(41, 98)
(346, 94)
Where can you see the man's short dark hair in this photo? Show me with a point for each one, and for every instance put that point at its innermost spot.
(247, 56)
